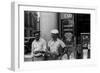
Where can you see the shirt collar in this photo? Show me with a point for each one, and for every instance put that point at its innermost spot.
(38, 41)
(56, 40)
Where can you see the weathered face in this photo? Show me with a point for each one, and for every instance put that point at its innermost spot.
(54, 37)
(37, 36)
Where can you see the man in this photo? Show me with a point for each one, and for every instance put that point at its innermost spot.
(55, 45)
(38, 47)
(69, 41)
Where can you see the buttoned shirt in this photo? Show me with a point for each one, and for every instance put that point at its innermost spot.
(54, 45)
(38, 45)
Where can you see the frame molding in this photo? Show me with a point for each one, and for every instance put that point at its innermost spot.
(15, 29)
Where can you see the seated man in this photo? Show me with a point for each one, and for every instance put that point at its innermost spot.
(55, 45)
(38, 47)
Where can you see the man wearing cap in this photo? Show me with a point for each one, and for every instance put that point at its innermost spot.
(55, 45)
(38, 47)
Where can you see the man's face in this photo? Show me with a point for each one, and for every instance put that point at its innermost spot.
(54, 37)
(37, 36)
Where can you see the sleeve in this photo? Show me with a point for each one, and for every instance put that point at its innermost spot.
(44, 45)
(62, 44)
(49, 43)
(48, 46)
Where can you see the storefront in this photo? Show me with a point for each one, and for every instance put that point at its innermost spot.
(74, 30)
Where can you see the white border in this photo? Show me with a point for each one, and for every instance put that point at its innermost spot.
(18, 37)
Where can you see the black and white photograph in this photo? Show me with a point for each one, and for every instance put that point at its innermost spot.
(47, 36)
(56, 36)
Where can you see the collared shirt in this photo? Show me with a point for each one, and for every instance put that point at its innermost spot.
(54, 45)
(38, 45)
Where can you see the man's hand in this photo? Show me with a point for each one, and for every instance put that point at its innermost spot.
(60, 50)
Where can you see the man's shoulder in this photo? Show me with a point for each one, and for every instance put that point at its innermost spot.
(50, 41)
(42, 39)
(59, 40)
(34, 41)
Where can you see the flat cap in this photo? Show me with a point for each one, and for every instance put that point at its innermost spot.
(54, 31)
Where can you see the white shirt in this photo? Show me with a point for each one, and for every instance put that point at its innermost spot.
(38, 45)
(64, 57)
(54, 45)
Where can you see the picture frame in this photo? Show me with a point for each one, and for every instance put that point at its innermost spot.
(17, 34)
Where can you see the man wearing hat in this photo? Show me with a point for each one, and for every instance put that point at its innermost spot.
(55, 45)
(38, 47)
